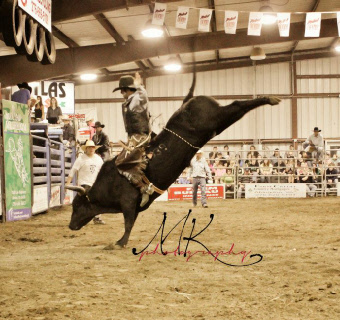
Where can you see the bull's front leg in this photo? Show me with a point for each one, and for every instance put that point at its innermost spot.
(235, 111)
(129, 221)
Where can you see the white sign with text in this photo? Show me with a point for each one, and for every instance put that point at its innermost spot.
(275, 190)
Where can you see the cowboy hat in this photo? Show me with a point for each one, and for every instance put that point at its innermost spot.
(316, 129)
(97, 124)
(126, 82)
(199, 151)
(24, 85)
(89, 143)
(89, 119)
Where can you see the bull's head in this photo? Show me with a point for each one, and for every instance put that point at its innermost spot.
(81, 209)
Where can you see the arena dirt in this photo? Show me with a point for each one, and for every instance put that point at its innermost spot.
(50, 272)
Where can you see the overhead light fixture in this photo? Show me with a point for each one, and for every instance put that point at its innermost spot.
(88, 76)
(269, 17)
(173, 65)
(257, 53)
(152, 31)
(337, 48)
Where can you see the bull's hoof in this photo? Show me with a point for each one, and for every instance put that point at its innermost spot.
(112, 246)
(274, 101)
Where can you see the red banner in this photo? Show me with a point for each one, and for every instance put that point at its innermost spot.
(184, 192)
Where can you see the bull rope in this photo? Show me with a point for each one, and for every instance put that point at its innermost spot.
(174, 133)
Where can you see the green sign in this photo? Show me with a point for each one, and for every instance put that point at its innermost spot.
(16, 128)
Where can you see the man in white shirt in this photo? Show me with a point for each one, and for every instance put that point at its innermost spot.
(87, 165)
(314, 143)
(198, 170)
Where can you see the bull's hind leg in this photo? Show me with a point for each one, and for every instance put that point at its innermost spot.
(235, 111)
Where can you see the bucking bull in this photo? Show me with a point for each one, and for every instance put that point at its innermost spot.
(197, 121)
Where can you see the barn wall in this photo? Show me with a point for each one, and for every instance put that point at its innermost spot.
(263, 123)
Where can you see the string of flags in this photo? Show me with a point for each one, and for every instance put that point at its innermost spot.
(312, 28)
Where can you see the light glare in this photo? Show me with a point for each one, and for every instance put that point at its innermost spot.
(88, 76)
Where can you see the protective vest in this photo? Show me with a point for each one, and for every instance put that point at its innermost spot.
(136, 122)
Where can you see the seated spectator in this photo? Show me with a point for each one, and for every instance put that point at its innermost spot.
(54, 112)
(335, 160)
(259, 159)
(183, 179)
(309, 179)
(290, 168)
(69, 138)
(226, 153)
(253, 151)
(248, 160)
(291, 152)
(211, 167)
(221, 158)
(220, 171)
(238, 160)
(328, 159)
(331, 176)
(228, 180)
(254, 169)
(213, 155)
(245, 178)
(266, 169)
(275, 158)
(314, 143)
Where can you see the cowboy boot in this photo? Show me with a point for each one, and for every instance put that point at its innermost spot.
(146, 191)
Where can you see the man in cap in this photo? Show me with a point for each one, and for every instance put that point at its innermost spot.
(197, 174)
(133, 160)
(314, 143)
(101, 139)
(87, 166)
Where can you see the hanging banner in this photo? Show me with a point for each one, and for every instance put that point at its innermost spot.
(62, 91)
(338, 21)
(38, 10)
(283, 22)
(313, 24)
(230, 21)
(182, 17)
(159, 14)
(17, 159)
(204, 20)
(255, 23)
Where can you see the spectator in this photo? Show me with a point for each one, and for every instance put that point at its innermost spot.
(291, 152)
(245, 178)
(69, 138)
(314, 143)
(228, 180)
(87, 166)
(54, 112)
(259, 159)
(39, 110)
(254, 169)
(275, 158)
(309, 179)
(23, 95)
(221, 158)
(331, 176)
(248, 160)
(220, 171)
(226, 153)
(102, 140)
(266, 170)
(253, 151)
(183, 178)
(238, 160)
(290, 168)
(197, 175)
(90, 124)
(213, 155)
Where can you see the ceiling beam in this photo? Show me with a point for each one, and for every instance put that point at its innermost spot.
(72, 9)
(75, 60)
(224, 64)
(106, 24)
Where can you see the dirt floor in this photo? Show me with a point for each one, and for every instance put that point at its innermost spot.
(50, 272)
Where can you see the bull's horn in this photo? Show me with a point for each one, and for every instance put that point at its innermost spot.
(80, 190)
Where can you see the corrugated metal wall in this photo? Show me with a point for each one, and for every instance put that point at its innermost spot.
(263, 123)
(321, 112)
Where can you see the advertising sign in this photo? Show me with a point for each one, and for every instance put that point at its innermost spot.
(182, 17)
(55, 196)
(159, 14)
(283, 22)
(17, 158)
(62, 91)
(230, 21)
(313, 24)
(275, 190)
(40, 10)
(184, 191)
(40, 199)
(68, 196)
(338, 189)
(255, 23)
(204, 20)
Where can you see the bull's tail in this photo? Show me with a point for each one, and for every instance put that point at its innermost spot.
(192, 88)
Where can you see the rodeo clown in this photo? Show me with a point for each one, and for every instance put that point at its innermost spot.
(132, 160)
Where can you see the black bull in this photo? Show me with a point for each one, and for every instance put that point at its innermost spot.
(197, 121)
